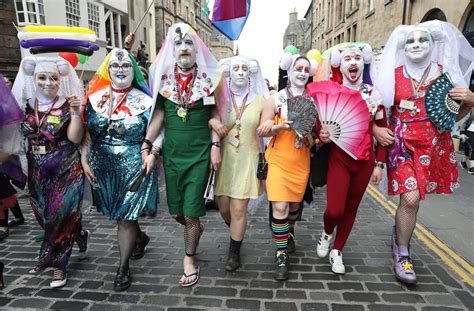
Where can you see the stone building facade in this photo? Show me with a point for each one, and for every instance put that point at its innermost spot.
(336, 21)
(295, 32)
(10, 55)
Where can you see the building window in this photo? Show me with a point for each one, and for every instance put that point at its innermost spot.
(73, 15)
(93, 15)
(371, 5)
(354, 33)
(144, 35)
(30, 12)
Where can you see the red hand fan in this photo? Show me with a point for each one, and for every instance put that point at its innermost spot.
(343, 113)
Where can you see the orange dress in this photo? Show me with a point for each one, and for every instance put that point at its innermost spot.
(288, 166)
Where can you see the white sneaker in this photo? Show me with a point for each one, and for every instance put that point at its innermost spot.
(59, 279)
(323, 245)
(335, 259)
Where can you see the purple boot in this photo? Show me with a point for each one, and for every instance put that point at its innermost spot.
(402, 262)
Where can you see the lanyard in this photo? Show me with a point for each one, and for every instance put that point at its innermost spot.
(184, 96)
(39, 122)
(416, 88)
(113, 108)
(239, 111)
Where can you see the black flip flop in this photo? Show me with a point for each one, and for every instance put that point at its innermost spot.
(189, 275)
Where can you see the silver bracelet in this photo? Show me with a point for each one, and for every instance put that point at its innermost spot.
(75, 114)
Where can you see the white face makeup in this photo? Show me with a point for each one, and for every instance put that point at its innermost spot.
(47, 84)
(239, 73)
(299, 74)
(184, 51)
(352, 65)
(121, 73)
(418, 45)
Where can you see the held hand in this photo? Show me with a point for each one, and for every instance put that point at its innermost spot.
(463, 137)
(383, 135)
(87, 170)
(324, 136)
(462, 94)
(377, 175)
(265, 128)
(148, 163)
(286, 124)
(129, 40)
(74, 103)
(218, 127)
(215, 157)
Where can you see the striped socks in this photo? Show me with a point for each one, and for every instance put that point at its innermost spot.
(280, 230)
(292, 216)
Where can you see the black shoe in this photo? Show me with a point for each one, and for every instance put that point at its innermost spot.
(14, 222)
(233, 261)
(139, 250)
(464, 165)
(283, 263)
(122, 279)
(471, 171)
(291, 244)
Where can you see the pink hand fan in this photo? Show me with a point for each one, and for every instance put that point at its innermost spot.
(343, 113)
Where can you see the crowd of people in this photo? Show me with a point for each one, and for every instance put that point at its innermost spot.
(219, 120)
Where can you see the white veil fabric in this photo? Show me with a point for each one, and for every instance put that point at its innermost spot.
(257, 86)
(209, 72)
(25, 93)
(24, 89)
(450, 49)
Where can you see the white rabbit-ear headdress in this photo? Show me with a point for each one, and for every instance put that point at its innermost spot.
(287, 62)
(24, 88)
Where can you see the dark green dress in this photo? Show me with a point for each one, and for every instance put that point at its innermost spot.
(186, 157)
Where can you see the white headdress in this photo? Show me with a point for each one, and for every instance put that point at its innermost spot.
(257, 82)
(287, 62)
(209, 72)
(450, 49)
(24, 88)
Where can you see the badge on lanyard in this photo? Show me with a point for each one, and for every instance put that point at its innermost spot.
(234, 141)
(407, 104)
(53, 119)
(38, 149)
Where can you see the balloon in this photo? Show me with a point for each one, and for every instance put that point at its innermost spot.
(24, 35)
(54, 49)
(82, 58)
(43, 28)
(314, 54)
(291, 49)
(70, 57)
(53, 42)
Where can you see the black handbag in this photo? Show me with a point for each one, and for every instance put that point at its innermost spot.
(319, 166)
(262, 168)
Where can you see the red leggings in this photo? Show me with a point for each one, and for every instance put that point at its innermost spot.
(346, 184)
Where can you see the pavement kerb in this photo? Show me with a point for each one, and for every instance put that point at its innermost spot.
(460, 266)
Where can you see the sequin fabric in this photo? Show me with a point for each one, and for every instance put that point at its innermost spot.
(116, 161)
(56, 185)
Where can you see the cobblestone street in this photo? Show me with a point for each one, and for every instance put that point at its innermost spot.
(367, 285)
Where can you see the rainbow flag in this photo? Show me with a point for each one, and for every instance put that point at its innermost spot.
(229, 17)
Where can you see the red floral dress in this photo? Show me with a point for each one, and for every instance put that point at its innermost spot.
(422, 157)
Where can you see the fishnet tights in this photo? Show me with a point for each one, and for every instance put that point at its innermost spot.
(405, 218)
(192, 232)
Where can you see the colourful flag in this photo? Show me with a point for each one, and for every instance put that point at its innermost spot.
(205, 12)
(229, 17)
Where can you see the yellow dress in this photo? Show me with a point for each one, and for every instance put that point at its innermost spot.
(237, 175)
(288, 166)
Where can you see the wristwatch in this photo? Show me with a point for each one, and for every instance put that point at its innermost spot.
(216, 143)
